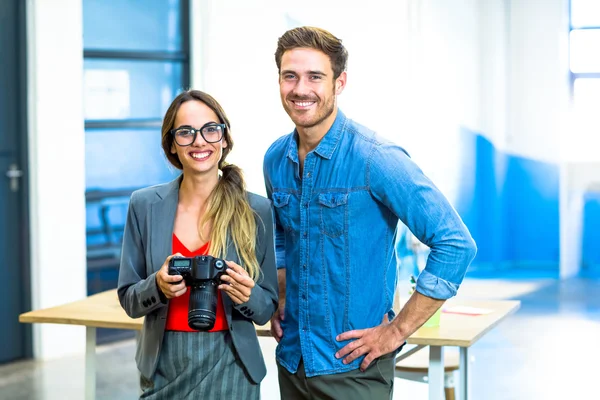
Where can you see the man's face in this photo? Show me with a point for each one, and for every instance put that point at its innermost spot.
(307, 88)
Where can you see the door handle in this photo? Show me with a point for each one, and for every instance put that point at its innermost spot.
(14, 173)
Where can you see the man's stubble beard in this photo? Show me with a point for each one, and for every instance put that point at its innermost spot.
(327, 111)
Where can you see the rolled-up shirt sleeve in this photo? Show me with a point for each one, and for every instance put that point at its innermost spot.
(397, 182)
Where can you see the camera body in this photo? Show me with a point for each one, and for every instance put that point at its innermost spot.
(202, 274)
(195, 269)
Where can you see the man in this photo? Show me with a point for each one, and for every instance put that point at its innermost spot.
(339, 190)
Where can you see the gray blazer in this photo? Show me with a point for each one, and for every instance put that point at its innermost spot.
(147, 242)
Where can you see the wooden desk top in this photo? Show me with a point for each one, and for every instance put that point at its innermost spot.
(100, 310)
(464, 330)
(103, 310)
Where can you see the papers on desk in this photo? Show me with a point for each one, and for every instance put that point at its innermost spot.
(466, 310)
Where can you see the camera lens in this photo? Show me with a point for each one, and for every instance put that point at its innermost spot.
(203, 306)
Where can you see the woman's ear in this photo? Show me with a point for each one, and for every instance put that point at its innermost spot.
(173, 149)
(224, 143)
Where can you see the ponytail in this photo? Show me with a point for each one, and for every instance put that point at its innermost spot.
(229, 211)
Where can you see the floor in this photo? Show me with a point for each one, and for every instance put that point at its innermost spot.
(548, 349)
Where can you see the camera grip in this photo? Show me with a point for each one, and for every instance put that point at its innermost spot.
(174, 269)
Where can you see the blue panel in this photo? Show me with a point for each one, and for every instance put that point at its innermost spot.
(510, 205)
(152, 84)
(533, 215)
(591, 235)
(466, 202)
(132, 25)
(480, 201)
(490, 190)
(125, 158)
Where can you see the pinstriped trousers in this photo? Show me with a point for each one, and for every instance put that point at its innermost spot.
(199, 365)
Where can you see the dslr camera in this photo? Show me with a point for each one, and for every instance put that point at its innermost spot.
(202, 274)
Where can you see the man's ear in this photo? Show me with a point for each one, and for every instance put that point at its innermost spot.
(340, 83)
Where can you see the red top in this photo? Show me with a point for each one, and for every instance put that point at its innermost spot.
(177, 316)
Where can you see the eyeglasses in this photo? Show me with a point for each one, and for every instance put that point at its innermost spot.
(186, 135)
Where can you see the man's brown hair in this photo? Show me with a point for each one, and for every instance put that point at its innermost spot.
(314, 38)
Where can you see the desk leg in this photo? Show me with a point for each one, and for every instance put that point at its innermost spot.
(90, 363)
(463, 381)
(436, 373)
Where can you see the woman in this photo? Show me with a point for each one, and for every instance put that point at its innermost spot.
(205, 211)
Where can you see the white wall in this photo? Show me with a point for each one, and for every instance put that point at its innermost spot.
(414, 73)
(447, 86)
(57, 168)
(494, 68)
(417, 72)
(238, 69)
(539, 85)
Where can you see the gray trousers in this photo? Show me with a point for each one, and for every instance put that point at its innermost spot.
(376, 383)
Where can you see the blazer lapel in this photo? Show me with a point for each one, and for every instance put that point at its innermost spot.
(162, 221)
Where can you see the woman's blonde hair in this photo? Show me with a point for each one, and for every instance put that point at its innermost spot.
(228, 209)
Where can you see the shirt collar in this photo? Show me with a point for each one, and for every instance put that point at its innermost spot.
(330, 141)
(327, 145)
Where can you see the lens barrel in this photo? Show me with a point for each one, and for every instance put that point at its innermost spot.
(203, 306)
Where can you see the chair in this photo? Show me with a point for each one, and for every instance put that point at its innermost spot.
(415, 367)
(104, 239)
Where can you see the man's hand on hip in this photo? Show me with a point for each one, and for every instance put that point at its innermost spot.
(374, 342)
(387, 337)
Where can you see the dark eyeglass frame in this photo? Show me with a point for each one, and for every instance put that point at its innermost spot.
(195, 133)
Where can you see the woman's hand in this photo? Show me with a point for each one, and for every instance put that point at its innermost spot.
(238, 284)
(171, 285)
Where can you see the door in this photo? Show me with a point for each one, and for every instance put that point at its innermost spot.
(15, 338)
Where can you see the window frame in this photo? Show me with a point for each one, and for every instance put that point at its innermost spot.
(182, 56)
(573, 76)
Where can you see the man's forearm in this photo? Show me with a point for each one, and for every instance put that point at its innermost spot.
(415, 313)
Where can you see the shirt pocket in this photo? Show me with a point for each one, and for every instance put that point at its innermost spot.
(281, 202)
(333, 208)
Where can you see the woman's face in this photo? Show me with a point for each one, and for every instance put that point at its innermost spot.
(200, 156)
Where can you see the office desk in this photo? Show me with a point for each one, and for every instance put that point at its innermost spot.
(458, 330)
(103, 310)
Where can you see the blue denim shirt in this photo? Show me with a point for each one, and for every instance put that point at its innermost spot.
(335, 233)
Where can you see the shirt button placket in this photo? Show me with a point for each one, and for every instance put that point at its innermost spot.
(304, 226)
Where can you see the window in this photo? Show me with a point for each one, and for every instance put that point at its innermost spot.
(136, 60)
(584, 57)
(584, 63)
